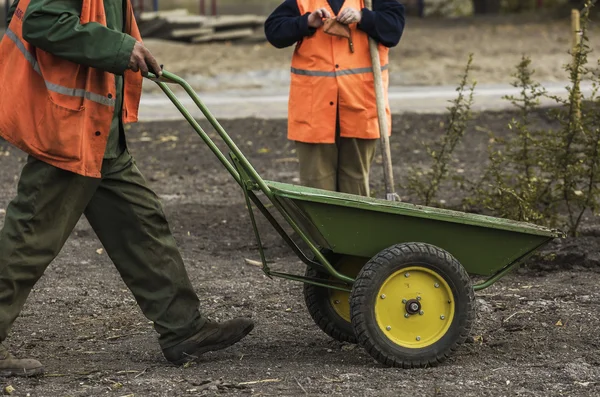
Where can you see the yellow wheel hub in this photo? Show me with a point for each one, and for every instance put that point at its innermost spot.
(415, 307)
(340, 300)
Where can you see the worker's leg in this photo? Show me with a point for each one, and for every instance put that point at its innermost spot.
(355, 159)
(129, 221)
(38, 221)
(318, 165)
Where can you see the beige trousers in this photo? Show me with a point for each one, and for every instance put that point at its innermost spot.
(343, 166)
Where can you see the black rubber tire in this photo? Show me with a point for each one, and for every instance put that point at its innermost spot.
(323, 314)
(364, 296)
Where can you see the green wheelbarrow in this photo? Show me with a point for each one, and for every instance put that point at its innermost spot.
(393, 277)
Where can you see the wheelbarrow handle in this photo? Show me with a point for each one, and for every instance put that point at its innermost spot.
(166, 77)
(171, 78)
(245, 167)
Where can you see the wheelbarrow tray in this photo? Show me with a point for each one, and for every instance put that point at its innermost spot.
(363, 226)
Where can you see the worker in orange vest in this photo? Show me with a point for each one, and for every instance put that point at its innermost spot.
(69, 79)
(332, 112)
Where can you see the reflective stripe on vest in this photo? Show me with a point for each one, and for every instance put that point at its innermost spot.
(59, 89)
(337, 73)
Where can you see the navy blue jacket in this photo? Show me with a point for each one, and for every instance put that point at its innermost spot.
(285, 26)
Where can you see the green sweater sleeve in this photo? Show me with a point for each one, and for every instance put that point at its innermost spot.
(55, 27)
(11, 11)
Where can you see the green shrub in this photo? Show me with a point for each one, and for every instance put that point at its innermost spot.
(549, 177)
(425, 184)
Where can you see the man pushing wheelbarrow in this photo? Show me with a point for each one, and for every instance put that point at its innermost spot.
(69, 79)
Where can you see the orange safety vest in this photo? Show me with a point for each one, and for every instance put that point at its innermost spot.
(58, 111)
(326, 74)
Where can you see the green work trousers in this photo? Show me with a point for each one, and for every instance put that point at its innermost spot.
(343, 166)
(128, 219)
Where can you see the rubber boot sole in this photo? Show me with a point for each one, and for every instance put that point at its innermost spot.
(210, 348)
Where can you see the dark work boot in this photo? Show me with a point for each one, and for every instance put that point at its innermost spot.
(213, 336)
(10, 366)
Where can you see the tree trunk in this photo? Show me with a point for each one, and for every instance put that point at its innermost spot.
(486, 6)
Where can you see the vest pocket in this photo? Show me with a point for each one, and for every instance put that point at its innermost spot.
(60, 131)
(300, 103)
(370, 99)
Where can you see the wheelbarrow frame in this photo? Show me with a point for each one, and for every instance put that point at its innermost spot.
(250, 181)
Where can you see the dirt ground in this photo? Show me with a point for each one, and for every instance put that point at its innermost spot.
(431, 52)
(536, 332)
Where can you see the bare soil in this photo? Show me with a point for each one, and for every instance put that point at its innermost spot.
(536, 332)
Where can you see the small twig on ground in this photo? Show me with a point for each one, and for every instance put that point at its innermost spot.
(192, 357)
(252, 262)
(287, 160)
(141, 373)
(303, 389)
(514, 314)
(254, 382)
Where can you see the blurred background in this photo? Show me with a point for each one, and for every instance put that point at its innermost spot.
(414, 7)
(219, 46)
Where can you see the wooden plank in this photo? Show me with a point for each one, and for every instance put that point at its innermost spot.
(235, 21)
(257, 37)
(186, 20)
(150, 15)
(191, 33)
(178, 23)
(151, 28)
(224, 36)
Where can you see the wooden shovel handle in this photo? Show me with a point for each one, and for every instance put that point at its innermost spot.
(388, 174)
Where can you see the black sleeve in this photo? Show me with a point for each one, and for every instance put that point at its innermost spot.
(285, 26)
(385, 23)
(11, 11)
